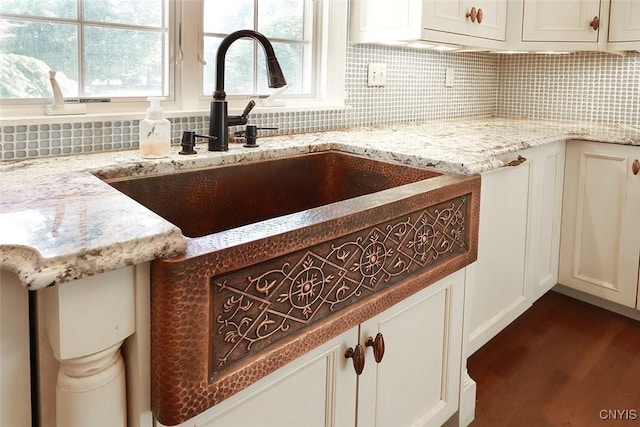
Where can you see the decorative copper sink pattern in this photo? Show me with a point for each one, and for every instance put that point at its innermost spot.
(297, 251)
(284, 295)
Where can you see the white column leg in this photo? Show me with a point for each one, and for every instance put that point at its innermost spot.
(467, 403)
(467, 399)
(95, 383)
(87, 321)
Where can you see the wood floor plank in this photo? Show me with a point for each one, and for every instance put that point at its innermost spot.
(562, 363)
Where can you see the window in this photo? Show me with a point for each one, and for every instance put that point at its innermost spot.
(99, 48)
(127, 50)
(288, 25)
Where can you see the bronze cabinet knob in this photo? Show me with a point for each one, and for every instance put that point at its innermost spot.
(358, 358)
(480, 16)
(378, 346)
(472, 14)
(595, 23)
(635, 167)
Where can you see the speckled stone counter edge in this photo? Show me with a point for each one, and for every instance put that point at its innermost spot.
(60, 222)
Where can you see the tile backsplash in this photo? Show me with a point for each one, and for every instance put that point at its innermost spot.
(582, 86)
(593, 87)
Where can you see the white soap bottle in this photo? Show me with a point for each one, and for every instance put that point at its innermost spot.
(155, 132)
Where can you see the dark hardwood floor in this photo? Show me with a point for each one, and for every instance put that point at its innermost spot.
(562, 363)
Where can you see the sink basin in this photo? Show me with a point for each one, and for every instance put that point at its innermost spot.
(207, 201)
(284, 254)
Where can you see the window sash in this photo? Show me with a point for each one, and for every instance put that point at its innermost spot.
(305, 41)
(81, 27)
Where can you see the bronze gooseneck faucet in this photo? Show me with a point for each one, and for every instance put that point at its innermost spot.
(219, 119)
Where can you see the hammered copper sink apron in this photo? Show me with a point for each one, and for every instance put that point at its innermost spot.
(285, 254)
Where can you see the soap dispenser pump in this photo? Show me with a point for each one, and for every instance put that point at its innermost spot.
(155, 131)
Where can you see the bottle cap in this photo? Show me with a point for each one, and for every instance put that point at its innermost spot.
(155, 111)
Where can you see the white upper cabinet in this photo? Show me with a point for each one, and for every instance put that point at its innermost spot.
(384, 21)
(475, 18)
(561, 21)
(573, 25)
(522, 25)
(564, 25)
(477, 23)
(624, 24)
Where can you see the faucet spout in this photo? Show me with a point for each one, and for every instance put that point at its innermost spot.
(219, 117)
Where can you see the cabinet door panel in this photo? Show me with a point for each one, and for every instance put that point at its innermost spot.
(496, 281)
(545, 215)
(559, 21)
(624, 21)
(600, 225)
(317, 390)
(450, 16)
(384, 21)
(494, 18)
(416, 383)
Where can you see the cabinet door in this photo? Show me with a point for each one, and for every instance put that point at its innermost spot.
(496, 285)
(451, 17)
(560, 21)
(624, 18)
(384, 20)
(600, 243)
(545, 214)
(417, 381)
(318, 389)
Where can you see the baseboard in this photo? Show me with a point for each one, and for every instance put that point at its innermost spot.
(598, 302)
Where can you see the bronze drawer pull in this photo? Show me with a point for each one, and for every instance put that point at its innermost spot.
(635, 167)
(378, 346)
(520, 160)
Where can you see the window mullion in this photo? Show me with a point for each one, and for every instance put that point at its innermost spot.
(80, 53)
(189, 71)
(256, 5)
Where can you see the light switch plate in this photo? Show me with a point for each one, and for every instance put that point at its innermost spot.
(377, 74)
(449, 77)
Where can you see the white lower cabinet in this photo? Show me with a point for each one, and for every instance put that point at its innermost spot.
(600, 253)
(545, 217)
(518, 241)
(317, 390)
(416, 383)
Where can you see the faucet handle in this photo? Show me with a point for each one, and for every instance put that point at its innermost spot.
(241, 119)
(248, 109)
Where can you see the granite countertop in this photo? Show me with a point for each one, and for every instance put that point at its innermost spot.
(60, 222)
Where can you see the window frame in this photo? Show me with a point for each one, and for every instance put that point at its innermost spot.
(185, 44)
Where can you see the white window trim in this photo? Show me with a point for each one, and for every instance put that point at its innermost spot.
(186, 85)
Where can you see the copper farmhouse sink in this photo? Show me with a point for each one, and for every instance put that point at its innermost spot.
(284, 254)
(207, 201)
